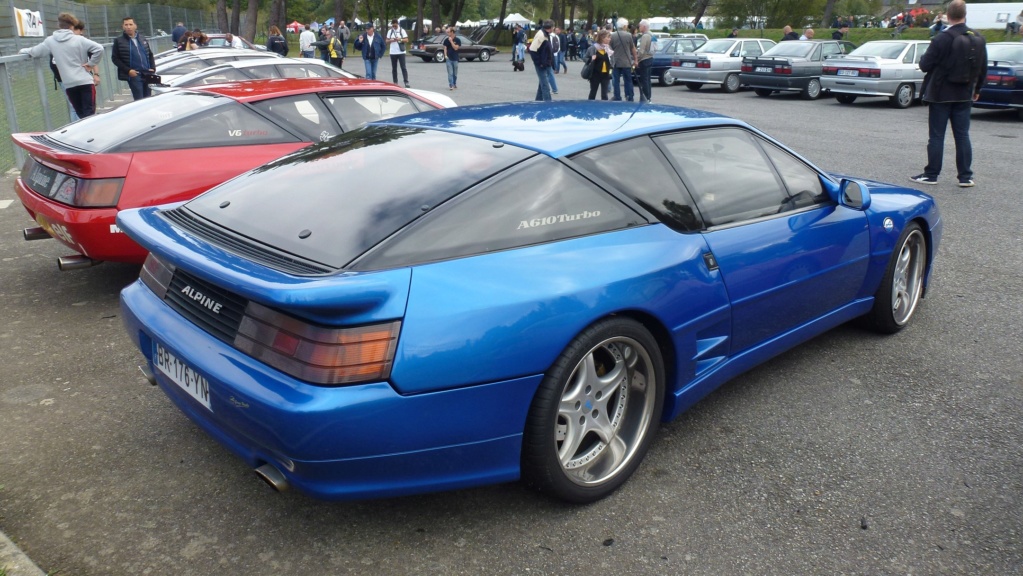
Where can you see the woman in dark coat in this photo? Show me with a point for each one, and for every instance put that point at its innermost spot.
(600, 54)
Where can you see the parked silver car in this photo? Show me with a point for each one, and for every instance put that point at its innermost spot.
(173, 67)
(880, 68)
(717, 62)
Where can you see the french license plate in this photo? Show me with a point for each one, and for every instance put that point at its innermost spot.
(848, 72)
(183, 375)
(689, 64)
(763, 69)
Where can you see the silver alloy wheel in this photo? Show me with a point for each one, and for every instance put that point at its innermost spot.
(667, 79)
(908, 277)
(903, 96)
(605, 410)
(438, 56)
(731, 83)
(484, 56)
(813, 89)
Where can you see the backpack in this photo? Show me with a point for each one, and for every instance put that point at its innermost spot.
(964, 60)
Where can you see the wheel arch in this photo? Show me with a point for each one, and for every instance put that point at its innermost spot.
(928, 233)
(665, 344)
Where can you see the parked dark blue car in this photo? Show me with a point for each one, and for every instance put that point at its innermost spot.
(495, 294)
(1003, 87)
(667, 53)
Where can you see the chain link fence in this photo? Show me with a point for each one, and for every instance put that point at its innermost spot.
(30, 99)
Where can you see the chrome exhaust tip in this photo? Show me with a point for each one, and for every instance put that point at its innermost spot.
(37, 233)
(76, 262)
(272, 476)
(147, 374)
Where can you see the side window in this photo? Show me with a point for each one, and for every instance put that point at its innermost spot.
(765, 45)
(221, 60)
(543, 201)
(910, 55)
(304, 113)
(657, 188)
(832, 49)
(355, 111)
(224, 75)
(231, 124)
(919, 54)
(803, 184)
(816, 54)
(728, 175)
(190, 65)
(303, 71)
(751, 48)
(268, 71)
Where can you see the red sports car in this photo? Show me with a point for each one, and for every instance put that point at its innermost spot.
(172, 147)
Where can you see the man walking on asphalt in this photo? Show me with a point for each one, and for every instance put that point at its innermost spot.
(133, 58)
(956, 66)
(372, 47)
(75, 56)
(397, 38)
(305, 42)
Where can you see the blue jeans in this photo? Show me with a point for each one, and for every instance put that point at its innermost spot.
(624, 74)
(553, 82)
(307, 53)
(938, 116)
(519, 52)
(543, 89)
(139, 89)
(371, 68)
(644, 79)
(559, 61)
(452, 65)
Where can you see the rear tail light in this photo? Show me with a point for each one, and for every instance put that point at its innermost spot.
(67, 189)
(156, 275)
(676, 63)
(317, 354)
(999, 80)
(782, 69)
(870, 72)
(746, 68)
(829, 70)
(703, 63)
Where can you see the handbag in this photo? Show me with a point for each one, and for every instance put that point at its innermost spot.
(151, 78)
(587, 69)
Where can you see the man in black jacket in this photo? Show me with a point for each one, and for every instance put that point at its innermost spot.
(132, 56)
(950, 98)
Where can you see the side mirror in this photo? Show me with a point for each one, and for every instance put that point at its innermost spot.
(853, 194)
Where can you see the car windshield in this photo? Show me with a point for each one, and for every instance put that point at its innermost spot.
(101, 132)
(716, 47)
(793, 49)
(1005, 53)
(886, 50)
(333, 201)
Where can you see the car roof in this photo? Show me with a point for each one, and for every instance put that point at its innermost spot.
(561, 128)
(255, 90)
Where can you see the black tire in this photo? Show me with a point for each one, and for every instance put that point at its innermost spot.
(845, 98)
(484, 56)
(903, 97)
(470, 59)
(763, 92)
(666, 79)
(694, 86)
(903, 283)
(731, 84)
(614, 373)
(438, 56)
(812, 90)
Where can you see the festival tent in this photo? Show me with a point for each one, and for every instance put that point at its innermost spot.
(294, 27)
(515, 18)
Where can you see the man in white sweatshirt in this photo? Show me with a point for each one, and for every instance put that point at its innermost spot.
(75, 58)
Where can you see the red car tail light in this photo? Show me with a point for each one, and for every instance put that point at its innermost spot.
(829, 70)
(703, 63)
(782, 69)
(870, 72)
(97, 193)
(746, 68)
(999, 80)
(156, 275)
(316, 354)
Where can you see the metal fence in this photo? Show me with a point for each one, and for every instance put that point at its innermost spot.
(32, 103)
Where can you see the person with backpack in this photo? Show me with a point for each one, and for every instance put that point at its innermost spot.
(276, 42)
(331, 47)
(955, 65)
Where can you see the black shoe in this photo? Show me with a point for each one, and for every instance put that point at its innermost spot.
(924, 179)
(406, 85)
(966, 183)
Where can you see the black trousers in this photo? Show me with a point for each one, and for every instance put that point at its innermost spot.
(397, 59)
(83, 99)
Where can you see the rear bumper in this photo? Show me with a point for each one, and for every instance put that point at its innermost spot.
(698, 76)
(1001, 99)
(89, 231)
(776, 81)
(863, 87)
(360, 441)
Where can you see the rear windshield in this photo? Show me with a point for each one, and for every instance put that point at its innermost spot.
(331, 202)
(794, 49)
(101, 132)
(886, 50)
(1005, 53)
(716, 47)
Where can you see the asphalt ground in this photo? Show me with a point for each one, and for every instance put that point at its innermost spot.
(852, 454)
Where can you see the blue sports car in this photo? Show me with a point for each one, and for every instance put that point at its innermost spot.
(488, 293)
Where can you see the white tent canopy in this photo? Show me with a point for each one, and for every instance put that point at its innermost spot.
(516, 18)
